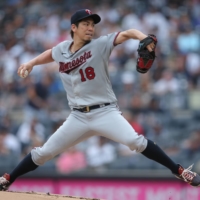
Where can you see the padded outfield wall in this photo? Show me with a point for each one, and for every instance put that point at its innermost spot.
(110, 189)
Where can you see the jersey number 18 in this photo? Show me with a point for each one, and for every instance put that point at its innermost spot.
(88, 73)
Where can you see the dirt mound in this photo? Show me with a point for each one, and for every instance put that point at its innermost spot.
(11, 195)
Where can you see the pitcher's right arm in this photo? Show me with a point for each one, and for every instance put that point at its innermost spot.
(43, 58)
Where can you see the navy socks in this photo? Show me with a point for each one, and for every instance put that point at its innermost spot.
(154, 152)
(26, 165)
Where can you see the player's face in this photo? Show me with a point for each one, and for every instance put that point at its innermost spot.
(85, 29)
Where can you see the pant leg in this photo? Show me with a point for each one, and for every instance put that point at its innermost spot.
(109, 122)
(73, 131)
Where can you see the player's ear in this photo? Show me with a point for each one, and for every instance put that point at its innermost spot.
(73, 27)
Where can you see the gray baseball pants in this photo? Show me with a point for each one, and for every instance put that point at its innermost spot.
(106, 121)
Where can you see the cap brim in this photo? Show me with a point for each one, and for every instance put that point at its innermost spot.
(95, 17)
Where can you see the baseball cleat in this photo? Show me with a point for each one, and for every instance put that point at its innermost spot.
(4, 182)
(188, 176)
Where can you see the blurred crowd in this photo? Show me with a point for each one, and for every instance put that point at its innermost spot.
(163, 104)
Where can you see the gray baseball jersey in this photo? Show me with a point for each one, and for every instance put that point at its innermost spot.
(84, 73)
(85, 77)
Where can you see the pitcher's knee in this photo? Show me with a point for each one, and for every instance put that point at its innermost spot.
(40, 155)
(139, 144)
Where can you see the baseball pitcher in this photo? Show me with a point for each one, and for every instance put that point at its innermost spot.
(83, 69)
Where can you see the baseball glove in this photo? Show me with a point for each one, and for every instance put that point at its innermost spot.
(145, 57)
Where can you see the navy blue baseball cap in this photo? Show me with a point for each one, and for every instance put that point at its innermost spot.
(82, 14)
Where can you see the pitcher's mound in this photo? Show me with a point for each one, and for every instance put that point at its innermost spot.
(37, 196)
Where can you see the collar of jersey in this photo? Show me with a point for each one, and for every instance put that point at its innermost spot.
(78, 49)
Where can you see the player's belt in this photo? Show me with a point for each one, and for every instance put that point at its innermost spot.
(88, 108)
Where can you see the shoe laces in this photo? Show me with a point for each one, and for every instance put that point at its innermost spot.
(187, 174)
(5, 179)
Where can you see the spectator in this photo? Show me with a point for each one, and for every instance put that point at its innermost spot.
(4, 150)
(70, 161)
(193, 68)
(191, 145)
(159, 134)
(188, 40)
(101, 154)
(133, 121)
(9, 149)
(10, 143)
(31, 134)
(167, 84)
